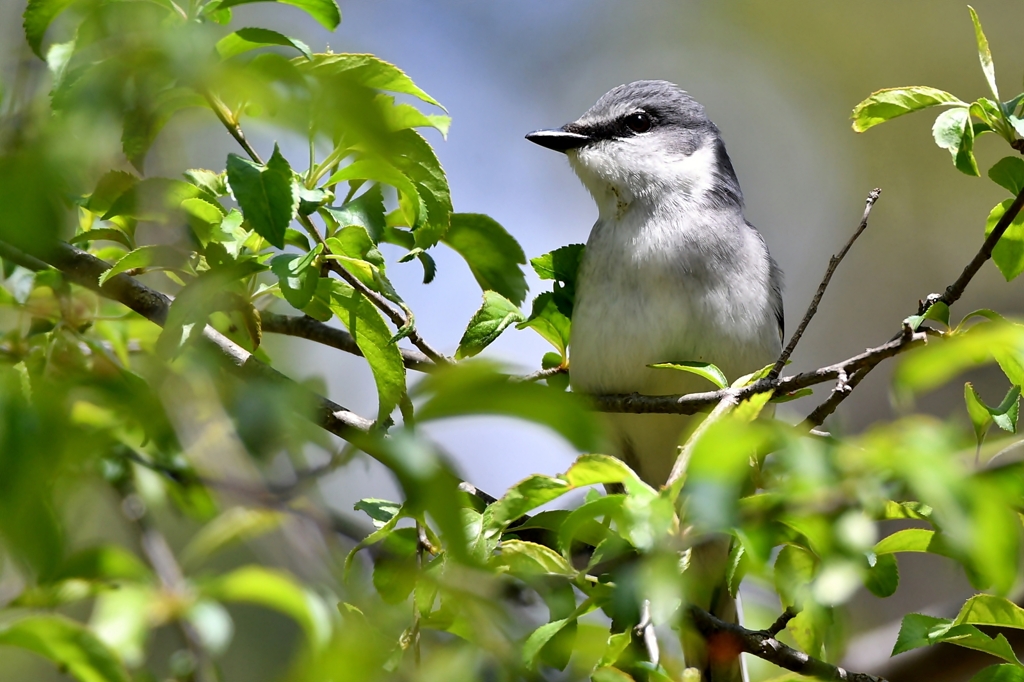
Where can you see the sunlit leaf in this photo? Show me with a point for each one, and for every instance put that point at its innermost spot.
(381, 511)
(548, 320)
(953, 131)
(373, 337)
(493, 255)
(984, 54)
(883, 576)
(366, 210)
(701, 369)
(918, 630)
(887, 104)
(981, 419)
(1008, 253)
(268, 195)
(38, 16)
(298, 276)
(1000, 673)
(528, 558)
(246, 39)
(326, 12)
(372, 72)
(1008, 172)
(69, 645)
(987, 609)
(495, 315)
(539, 638)
(149, 256)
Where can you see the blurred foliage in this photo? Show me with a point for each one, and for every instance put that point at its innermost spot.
(443, 584)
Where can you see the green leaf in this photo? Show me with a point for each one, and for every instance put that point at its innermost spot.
(987, 609)
(402, 116)
(38, 16)
(981, 418)
(101, 234)
(918, 630)
(702, 369)
(474, 388)
(493, 255)
(298, 276)
(1000, 673)
(326, 12)
(887, 104)
(110, 186)
(794, 570)
(234, 525)
(378, 170)
(121, 620)
(154, 199)
(278, 591)
(561, 265)
(150, 256)
(1008, 172)
(605, 506)
(1008, 253)
(538, 638)
(69, 645)
(953, 131)
(603, 470)
(548, 320)
(381, 511)
(105, 563)
(495, 315)
(394, 569)
(366, 210)
(984, 54)
(268, 195)
(371, 72)
(1005, 414)
(883, 576)
(216, 184)
(914, 540)
(530, 559)
(617, 644)
(524, 497)
(245, 39)
(373, 337)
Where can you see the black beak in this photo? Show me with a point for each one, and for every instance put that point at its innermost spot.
(558, 139)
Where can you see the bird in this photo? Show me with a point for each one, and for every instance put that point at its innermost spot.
(672, 272)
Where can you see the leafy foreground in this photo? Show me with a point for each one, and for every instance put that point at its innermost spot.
(158, 475)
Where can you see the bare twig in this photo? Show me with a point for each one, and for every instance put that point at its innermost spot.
(699, 402)
(306, 327)
(833, 263)
(228, 119)
(645, 630)
(781, 622)
(766, 647)
(541, 374)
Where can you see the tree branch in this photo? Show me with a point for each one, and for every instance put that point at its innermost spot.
(306, 327)
(692, 403)
(764, 645)
(833, 263)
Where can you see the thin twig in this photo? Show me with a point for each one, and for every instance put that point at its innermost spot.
(541, 374)
(833, 263)
(766, 647)
(781, 622)
(228, 119)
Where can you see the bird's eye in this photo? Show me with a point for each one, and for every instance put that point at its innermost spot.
(640, 122)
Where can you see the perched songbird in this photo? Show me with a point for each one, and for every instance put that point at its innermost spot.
(672, 272)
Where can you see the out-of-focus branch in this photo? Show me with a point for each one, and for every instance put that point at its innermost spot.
(763, 644)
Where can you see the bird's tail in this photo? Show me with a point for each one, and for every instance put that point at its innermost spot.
(717, 658)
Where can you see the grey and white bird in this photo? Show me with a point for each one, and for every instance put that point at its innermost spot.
(672, 272)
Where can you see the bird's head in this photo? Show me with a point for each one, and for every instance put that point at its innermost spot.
(644, 140)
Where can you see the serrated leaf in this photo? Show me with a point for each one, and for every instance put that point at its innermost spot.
(102, 234)
(524, 497)
(268, 195)
(918, 630)
(366, 210)
(984, 53)
(298, 276)
(326, 12)
(493, 255)
(987, 609)
(1008, 254)
(152, 255)
(67, 644)
(890, 103)
(371, 72)
(701, 369)
(1008, 172)
(603, 470)
(495, 315)
(379, 170)
(548, 320)
(278, 591)
(402, 116)
(215, 184)
(915, 630)
(561, 265)
(245, 39)
(474, 388)
(539, 638)
(953, 131)
(373, 337)
(38, 16)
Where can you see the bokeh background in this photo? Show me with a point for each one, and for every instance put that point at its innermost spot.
(779, 79)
